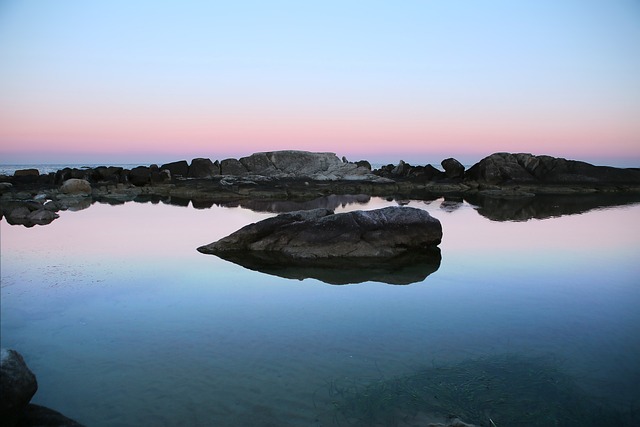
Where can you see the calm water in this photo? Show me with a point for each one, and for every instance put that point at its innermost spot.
(124, 323)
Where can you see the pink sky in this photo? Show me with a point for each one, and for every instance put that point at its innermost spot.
(113, 82)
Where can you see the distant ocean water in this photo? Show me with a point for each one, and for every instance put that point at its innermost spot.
(47, 168)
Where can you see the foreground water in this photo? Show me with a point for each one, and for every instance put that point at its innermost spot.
(124, 323)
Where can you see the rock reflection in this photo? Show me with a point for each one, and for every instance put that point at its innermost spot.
(401, 270)
(546, 206)
(327, 202)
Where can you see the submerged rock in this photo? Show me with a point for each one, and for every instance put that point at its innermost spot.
(320, 233)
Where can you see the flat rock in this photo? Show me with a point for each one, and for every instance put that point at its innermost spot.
(320, 233)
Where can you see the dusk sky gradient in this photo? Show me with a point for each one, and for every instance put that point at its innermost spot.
(120, 81)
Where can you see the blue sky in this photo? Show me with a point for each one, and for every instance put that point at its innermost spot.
(154, 81)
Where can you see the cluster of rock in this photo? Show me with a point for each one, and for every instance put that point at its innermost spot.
(29, 198)
(453, 170)
(17, 386)
(274, 164)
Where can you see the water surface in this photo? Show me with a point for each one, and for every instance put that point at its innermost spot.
(124, 323)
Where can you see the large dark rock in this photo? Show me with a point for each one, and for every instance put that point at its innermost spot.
(232, 167)
(524, 168)
(179, 168)
(453, 168)
(203, 168)
(26, 172)
(320, 233)
(17, 386)
(140, 176)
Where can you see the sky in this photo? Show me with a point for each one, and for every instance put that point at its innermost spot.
(120, 81)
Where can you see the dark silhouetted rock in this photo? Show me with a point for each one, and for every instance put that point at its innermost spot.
(26, 172)
(363, 164)
(179, 168)
(453, 168)
(503, 168)
(109, 174)
(320, 233)
(140, 176)
(203, 168)
(17, 386)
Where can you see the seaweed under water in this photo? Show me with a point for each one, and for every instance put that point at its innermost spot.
(505, 390)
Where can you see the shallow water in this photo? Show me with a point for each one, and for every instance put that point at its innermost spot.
(124, 323)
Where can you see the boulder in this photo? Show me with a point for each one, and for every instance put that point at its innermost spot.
(5, 187)
(17, 386)
(363, 164)
(179, 168)
(453, 168)
(106, 174)
(26, 172)
(76, 186)
(502, 168)
(304, 164)
(203, 168)
(232, 167)
(320, 233)
(402, 169)
(140, 176)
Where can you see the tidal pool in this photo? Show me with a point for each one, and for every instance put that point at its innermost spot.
(125, 323)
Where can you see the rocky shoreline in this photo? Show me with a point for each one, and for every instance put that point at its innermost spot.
(29, 198)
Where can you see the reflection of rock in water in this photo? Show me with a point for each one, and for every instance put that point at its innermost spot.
(328, 202)
(401, 270)
(545, 205)
(508, 390)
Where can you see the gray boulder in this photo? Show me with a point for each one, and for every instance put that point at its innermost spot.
(232, 167)
(74, 186)
(453, 168)
(304, 164)
(17, 386)
(320, 233)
